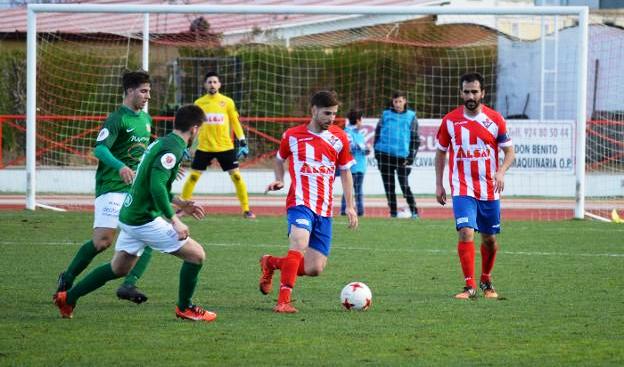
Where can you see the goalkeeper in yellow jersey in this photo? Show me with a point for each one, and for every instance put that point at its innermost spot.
(215, 141)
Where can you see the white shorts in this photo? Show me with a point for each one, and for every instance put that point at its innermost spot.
(107, 207)
(157, 234)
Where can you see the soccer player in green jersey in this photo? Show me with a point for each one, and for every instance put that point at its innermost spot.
(119, 147)
(148, 218)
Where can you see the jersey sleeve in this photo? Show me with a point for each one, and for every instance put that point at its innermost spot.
(443, 139)
(284, 150)
(162, 169)
(234, 120)
(109, 131)
(503, 139)
(345, 159)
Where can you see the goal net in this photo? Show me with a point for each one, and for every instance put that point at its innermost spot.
(271, 63)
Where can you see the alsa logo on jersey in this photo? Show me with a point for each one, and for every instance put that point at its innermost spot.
(168, 160)
(215, 119)
(307, 169)
(472, 153)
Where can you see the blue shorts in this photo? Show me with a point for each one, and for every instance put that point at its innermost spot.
(482, 215)
(320, 228)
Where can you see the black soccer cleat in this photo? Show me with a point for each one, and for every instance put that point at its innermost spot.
(61, 284)
(131, 293)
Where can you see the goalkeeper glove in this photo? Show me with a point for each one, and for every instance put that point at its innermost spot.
(243, 149)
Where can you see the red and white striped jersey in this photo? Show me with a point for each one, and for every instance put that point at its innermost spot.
(473, 143)
(312, 167)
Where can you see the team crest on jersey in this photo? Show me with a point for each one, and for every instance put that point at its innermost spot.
(168, 160)
(487, 123)
(104, 133)
(222, 104)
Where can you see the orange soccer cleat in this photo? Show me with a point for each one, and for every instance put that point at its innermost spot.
(488, 290)
(195, 313)
(468, 293)
(266, 278)
(285, 308)
(60, 300)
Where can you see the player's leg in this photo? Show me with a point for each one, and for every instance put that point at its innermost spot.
(200, 162)
(161, 236)
(358, 182)
(488, 220)
(387, 176)
(129, 290)
(465, 212)
(106, 218)
(128, 249)
(319, 246)
(229, 163)
(403, 172)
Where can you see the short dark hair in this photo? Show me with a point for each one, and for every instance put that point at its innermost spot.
(354, 115)
(470, 77)
(396, 94)
(188, 116)
(324, 98)
(133, 79)
(211, 73)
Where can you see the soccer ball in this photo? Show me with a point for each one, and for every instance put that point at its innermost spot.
(356, 296)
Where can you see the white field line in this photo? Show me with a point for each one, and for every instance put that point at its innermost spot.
(341, 248)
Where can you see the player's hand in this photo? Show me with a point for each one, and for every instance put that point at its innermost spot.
(274, 186)
(190, 208)
(409, 162)
(180, 173)
(243, 149)
(352, 217)
(127, 175)
(441, 195)
(181, 229)
(499, 181)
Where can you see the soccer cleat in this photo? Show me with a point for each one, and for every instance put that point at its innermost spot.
(60, 300)
(195, 313)
(285, 308)
(415, 216)
(468, 293)
(266, 279)
(61, 284)
(131, 293)
(249, 215)
(488, 290)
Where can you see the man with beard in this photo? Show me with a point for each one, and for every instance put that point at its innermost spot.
(118, 147)
(148, 218)
(472, 135)
(215, 142)
(315, 150)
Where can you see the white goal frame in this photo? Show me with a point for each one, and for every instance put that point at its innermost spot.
(581, 12)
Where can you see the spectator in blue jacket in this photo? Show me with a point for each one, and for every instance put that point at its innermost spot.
(396, 144)
(359, 150)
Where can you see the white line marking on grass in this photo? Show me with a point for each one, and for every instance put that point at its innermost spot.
(340, 248)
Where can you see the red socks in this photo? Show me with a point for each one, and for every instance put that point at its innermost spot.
(289, 269)
(488, 256)
(466, 252)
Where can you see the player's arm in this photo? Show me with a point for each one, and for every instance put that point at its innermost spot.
(440, 162)
(414, 142)
(279, 170)
(158, 189)
(347, 189)
(242, 150)
(105, 140)
(378, 129)
(499, 176)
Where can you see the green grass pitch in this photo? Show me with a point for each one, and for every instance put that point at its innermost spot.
(561, 283)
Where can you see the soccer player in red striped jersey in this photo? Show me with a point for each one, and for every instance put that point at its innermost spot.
(315, 151)
(472, 135)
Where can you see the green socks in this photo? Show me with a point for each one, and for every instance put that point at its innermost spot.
(81, 260)
(92, 281)
(139, 267)
(188, 281)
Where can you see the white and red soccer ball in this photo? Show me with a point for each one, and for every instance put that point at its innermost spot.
(356, 296)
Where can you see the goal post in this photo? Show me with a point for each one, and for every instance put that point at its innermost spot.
(581, 15)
